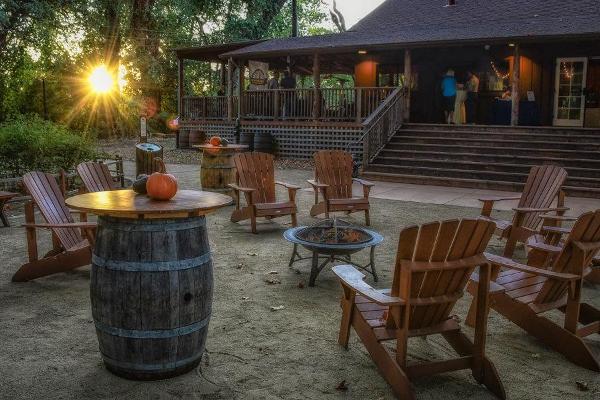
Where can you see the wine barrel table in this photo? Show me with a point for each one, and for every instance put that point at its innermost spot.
(152, 280)
(218, 169)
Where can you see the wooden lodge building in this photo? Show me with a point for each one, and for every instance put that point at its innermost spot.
(538, 62)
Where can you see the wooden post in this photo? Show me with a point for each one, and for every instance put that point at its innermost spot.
(276, 104)
(317, 90)
(180, 78)
(229, 89)
(358, 101)
(241, 70)
(222, 77)
(514, 119)
(408, 83)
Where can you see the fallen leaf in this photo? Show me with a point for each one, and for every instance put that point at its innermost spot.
(252, 254)
(535, 355)
(301, 285)
(582, 386)
(272, 281)
(245, 298)
(273, 272)
(456, 318)
(277, 308)
(240, 266)
(342, 386)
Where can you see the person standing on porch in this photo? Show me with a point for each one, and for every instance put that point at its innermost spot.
(273, 83)
(288, 83)
(472, 88)
(449, 95)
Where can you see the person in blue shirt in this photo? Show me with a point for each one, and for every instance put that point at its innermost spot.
(449, 95)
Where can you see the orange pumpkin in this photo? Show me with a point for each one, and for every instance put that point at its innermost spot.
(160, 185)
(215, 141)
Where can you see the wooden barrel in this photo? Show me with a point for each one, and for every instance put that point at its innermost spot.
(247, 139)
(184, 139)
(197, 137)
(263, 143)
(145, 154)
(151, 293)
(217, 170)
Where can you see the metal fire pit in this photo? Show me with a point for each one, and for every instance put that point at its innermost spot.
(333, 240)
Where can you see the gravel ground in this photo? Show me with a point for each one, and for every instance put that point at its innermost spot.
(49, 348)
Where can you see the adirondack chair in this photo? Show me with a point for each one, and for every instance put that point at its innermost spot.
(255, 178)
(71, 250)
(529, 291)
(96, 177)
(333, 179)
(543, 186)
(433, 265)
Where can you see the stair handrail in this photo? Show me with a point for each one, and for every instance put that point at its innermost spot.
(381, 125)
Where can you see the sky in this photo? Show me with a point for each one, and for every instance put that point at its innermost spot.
(354, 10)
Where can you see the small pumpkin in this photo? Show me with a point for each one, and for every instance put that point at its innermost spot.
(160, 185)
(139, 186)
(215, 141)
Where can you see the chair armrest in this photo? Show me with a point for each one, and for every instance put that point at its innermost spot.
(556, 229)
(552, 217)
(426, 266)
(363, 182)
(317, 185)
(494, 199)
(508, 263)
(546, 248)
(494, 287)
(353, 279)
(287, 185)
(240, 189)
(85, 225)
(533, 210)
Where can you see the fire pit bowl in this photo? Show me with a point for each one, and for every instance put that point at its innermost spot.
(333, 240)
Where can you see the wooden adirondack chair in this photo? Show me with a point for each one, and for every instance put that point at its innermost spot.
(433, 265)
(255, 178)
(333, 179)
(543, 186)
(96, 177)
(70, 250)
(529, 291)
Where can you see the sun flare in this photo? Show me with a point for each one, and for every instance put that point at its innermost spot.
(100, 80)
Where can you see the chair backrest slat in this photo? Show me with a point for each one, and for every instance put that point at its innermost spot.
(256, 170)
(451, 240)
(542, 187)
(334, 168)
(95, 176)
(571, 259)
(47, 195)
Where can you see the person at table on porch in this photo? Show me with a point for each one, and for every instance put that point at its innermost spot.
(273, 83)
(449, 95)
(289, 97)
(472, 88)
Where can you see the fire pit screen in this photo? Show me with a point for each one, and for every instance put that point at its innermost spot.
(333, 240)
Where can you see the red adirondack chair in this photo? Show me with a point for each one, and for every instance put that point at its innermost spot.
(95, 177)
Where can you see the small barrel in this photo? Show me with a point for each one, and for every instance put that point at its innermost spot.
(184, 139)
(263, 143)
(145, 154)
(151, 293)
(197, 137)
(247, 139)
(217, 170)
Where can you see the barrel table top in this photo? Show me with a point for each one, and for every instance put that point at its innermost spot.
(228, 148)
(128, 204)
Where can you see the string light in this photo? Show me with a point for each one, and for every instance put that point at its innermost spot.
(568, 74)
(498, 74)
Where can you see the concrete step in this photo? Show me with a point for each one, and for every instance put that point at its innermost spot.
(516, 177)
(401, 137)
(486, 149)
(492, 158)
(494, 135)
(451, 163)
(504, 128)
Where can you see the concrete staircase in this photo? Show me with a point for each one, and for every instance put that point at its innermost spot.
(488, 157)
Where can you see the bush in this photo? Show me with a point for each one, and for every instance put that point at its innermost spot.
(29, 143)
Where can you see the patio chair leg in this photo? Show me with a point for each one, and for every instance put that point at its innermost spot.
(253, 224)
(346, 322)
(294, 220)
(367, 218)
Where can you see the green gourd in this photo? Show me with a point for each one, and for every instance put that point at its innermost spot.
(139, 186)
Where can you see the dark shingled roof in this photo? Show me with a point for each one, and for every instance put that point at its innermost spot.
(431, 22)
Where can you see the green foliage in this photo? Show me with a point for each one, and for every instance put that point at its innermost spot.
(29, 143)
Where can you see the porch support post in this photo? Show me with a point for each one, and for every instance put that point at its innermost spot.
(241, 71)
(408, 83)
(222, 77)
(229, 89)
(317, 90)
(358, 101)
(514, 119)
(180, 78)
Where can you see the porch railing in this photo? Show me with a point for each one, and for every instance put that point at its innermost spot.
(353, 104)
(381, 125)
